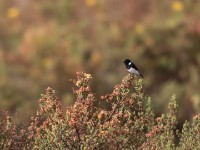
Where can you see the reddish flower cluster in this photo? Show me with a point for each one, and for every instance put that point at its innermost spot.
(154, 132)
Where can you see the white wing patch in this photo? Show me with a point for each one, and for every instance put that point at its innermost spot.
(129, 63)
(132, 70)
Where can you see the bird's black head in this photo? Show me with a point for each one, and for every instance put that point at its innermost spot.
(126, 61)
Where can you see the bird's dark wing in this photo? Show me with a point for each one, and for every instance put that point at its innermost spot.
(133, 66)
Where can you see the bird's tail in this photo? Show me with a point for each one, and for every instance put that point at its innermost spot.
(141, 75)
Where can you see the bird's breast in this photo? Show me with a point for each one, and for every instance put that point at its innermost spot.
(132, 70)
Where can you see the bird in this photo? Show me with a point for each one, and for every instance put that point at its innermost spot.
(130, 66)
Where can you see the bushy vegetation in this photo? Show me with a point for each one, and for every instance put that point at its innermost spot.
(121, 120)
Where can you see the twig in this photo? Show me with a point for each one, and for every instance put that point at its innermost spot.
(77, 132)
(115, 109)
(72, 143)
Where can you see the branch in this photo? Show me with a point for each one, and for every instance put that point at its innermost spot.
(78, 134)
(114, 110)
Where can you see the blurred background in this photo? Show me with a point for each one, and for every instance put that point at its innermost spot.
(43, 43)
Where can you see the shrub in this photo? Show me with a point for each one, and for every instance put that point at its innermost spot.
(121, 120)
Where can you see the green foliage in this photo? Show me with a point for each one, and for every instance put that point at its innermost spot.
(162, 134)
(127, 123)
(190, 138)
